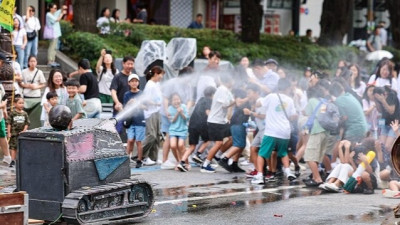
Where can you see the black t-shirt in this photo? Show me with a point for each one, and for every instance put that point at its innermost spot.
(391, 100)
(238, 116)
(92, 86)
(120, 85)
(198, 118)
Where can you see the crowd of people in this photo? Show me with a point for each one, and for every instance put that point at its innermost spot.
(289, 116)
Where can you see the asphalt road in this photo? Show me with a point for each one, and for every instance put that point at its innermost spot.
(226, 198)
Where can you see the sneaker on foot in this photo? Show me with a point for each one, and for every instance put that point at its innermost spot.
(291, 177)
(7, 159)
(224, 164)
(331, 187)
(323, 186)
(196, 158)
(139, 164)
(270, 177)
(182, 167)
(297, 171)
(134, 158)
(236, 168)
(167, 165)
(258, 179)
(148, 162)
(207, 169)
(12, 164)
(252, 173)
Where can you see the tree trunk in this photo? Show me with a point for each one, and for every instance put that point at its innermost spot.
(335, 21)
(85, 15)
(393, 6)
(251, 15)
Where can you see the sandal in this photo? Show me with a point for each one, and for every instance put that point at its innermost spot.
(312, 183)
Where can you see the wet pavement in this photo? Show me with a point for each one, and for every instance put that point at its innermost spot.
(226, 198)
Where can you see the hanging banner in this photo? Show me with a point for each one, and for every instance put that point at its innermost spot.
(6, 14)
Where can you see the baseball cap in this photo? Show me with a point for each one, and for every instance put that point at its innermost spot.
(258, 62)
(133, 76)
(271, 61)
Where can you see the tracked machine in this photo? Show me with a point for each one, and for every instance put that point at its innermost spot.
(81, 175)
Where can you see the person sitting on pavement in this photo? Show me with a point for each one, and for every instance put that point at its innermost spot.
(341, 173)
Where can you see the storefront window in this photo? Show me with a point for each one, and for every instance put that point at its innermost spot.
(280, 4)
(232, 4)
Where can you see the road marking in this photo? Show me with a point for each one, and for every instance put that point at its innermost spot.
(270, 190)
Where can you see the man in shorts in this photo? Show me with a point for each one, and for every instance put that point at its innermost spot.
(279, 110)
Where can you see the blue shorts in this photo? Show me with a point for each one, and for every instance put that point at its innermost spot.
(387, 131)
(165, 123)
(238, 135)
(177, 137)
(136, 132)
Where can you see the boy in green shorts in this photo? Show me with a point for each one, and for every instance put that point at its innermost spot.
(279, 109)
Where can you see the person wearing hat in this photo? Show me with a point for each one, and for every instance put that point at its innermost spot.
(266, 78)
(89, 87)
(135, 125)
(272, 64)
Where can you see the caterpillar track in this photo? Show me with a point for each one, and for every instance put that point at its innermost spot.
(115, 203)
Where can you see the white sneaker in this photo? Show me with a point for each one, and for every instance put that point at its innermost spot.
(331, 187)
(258, 179)
(167, 165)
(148, 162)
(323, 186)
(7, 159)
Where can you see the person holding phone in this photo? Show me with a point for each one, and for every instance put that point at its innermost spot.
(53, 18)
(106, 71)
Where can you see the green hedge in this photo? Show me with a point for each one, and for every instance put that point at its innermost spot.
(290, 52)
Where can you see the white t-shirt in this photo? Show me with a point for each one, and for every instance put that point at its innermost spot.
(276, 123)
(360, 90)
(62, 100)
(152, 93)
(380, 82)
(103, 23)
(27, 77)
(33, 24)
(219, 106)
(260, 110)
(203, 83)
(105, 81)
(18, 37)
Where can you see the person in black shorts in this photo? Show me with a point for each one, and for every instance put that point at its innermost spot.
(198, 128)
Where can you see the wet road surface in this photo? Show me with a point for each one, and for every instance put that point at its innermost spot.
(226, 198)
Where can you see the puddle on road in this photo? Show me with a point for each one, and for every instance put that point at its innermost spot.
(384, 214)
(190, 198)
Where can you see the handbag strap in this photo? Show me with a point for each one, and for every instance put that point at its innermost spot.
(37, 70)
(283, 108)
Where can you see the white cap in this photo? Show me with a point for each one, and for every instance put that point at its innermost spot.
(133, 76)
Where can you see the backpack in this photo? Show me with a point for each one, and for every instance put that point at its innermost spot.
(329, 117)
